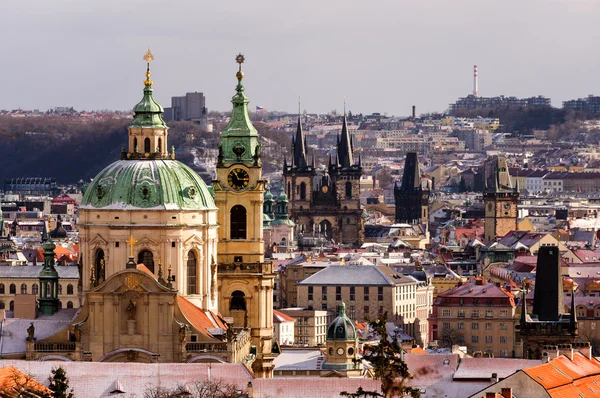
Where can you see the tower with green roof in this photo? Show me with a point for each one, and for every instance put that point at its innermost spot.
(48, 300)
(342, 345)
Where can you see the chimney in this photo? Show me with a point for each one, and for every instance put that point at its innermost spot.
(585, 349)
(414, 111)
(506, 392)
(475, 82)
(490, 395)
(494, 378)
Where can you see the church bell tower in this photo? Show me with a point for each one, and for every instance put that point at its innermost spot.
(500, 199)
(245, 280)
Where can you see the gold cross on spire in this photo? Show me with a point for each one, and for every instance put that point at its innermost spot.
(131, 242)
(148, 57)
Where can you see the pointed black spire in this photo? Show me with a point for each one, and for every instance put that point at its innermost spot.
(344, 149)
(299, 147)
(411, 179)
(573, 315)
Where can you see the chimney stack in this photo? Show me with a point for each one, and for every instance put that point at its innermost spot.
(475, 82)
(494, 378)
(414, 111)
(507, 392)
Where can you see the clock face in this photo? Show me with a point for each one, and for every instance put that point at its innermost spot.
(340, 351)
(325, 188)
(238, 179)
(506, 206)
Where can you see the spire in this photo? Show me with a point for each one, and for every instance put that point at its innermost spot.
(239, 139)
(524, 305)
(344, 148)
(148, 112)
(48, 299)
(299, 144)
(411, 179)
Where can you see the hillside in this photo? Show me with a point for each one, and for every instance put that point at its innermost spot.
(73, 149)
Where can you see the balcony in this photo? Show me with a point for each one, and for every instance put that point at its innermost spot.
(55, 347)
(206, 347)
(244, 268)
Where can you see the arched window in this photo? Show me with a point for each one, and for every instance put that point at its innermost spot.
(69, 289)
(11, 306)
(1, 288)
(160, 145)
(59, 288)
(23, 288)
(13, 289)
(303, 191)
(99, 266)
(238, 301)
(2, 305)
(147, 145)
(238, 222)
(147, 258)
(191, 273)
(35, 289)
(348, 190)
(135, 146)
(69, 304)
(289, 190)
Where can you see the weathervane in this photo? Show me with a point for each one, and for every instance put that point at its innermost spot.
(148, 57)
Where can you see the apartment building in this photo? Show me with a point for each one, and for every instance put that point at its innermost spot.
(477, 314)
(310, 325)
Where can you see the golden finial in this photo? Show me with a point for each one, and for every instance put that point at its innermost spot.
(148, 57)
(240, 60)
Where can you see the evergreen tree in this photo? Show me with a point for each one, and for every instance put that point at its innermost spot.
(388, 365)
(59, 384)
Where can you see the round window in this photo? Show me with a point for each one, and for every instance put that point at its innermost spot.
(350, 351)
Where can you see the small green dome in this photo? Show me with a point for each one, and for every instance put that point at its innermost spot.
(282, 197)
(266, 218)
(342, 327)
(268, 195)
(148, 184)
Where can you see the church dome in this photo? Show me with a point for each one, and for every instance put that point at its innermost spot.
(268, 195)
(342, 327)
(148, 184)
(282, 197)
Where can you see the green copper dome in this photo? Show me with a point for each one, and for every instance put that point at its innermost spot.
(148, 184)
(342, 327)
(148, 112)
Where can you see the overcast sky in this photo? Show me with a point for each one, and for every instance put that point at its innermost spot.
(382, 56)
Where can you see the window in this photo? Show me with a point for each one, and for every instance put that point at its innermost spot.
(352, 312)
(13, 289)
(503, 339)
(474, 339)
(147, 145)
(352, 293)
(461, 313)
(503, 326)
(135, 146)
(366, 295)
(69, 289)
(2, 305)
(192, 270)
(59, 288)
(503, 353)
(324, 306)
(238, 222)
(488, 339)
(238, 301)
(348, 190)
(489, 313)
(475, 314)
(160, 145)
(310, 292)
(380, 293)
(460, 325)
(147, 258)
(302, 191)
(23, 288)
(446, 325)
(35, 289)
(474, 326)
(338, 293)
(503, 312)
(366, 311)
(445, 312)
(1, 288)
(11, 305)
(488, 326)
(69, 304)
(324, 293)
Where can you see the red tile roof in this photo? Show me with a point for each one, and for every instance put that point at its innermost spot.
(198, 318)
(279, 316)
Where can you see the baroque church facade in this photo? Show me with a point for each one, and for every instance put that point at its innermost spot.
(325, 204)
(172, 270)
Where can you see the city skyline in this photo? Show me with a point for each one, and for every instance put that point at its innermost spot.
(88, 55)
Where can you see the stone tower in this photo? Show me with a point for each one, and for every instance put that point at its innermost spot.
(500, 199)
(342, 345)
(412, 200)
(245, 280)
(48, 300)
